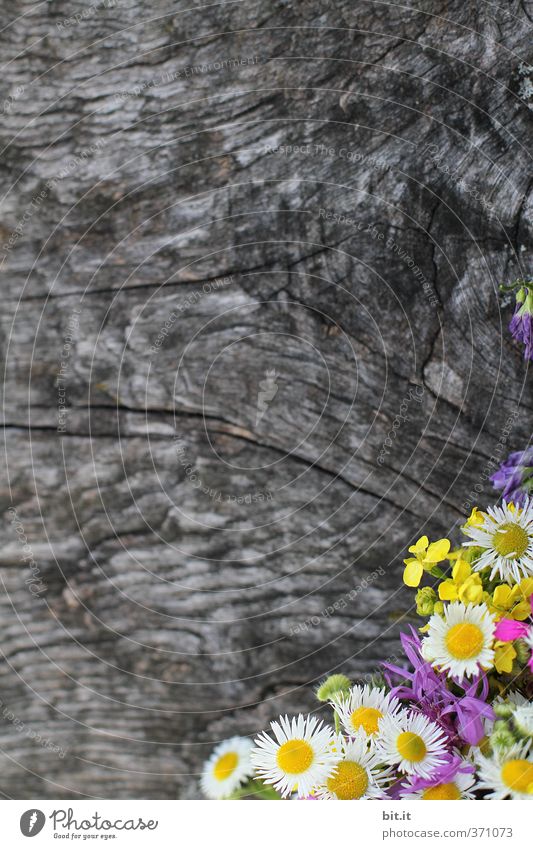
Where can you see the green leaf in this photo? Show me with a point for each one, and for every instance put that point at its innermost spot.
(255, 789)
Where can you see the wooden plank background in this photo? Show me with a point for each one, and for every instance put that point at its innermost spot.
(253, 347)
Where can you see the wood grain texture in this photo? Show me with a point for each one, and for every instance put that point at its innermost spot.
(193, 199)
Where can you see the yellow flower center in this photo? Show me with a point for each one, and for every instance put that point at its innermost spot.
(442, 791)
(511, 540)
(464, 640)
(295, 756)
(411, 746)
(349, 782)
(367, 718)
(518, 775)
(225, 766)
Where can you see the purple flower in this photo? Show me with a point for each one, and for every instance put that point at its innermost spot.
(521, 324)
(460, 713)
(444, 774)
(515, 476)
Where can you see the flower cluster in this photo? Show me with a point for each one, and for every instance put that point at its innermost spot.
(521, 324)
(455, 721)
(514, 478)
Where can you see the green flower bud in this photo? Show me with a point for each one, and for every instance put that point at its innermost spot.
(425, 601)
(333, 687)
(377, 680)
(502, 737)
(504, 710)
(522, 652)
(471, 553)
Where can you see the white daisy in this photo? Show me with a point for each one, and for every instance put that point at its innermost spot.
(506, 535)
(460, 787)
(358, 775)
(523, 719)
(228, 767)
(513, 698)
(363, 708)
(461, 640)
(507, 774)
(301, 757)
(412, 742)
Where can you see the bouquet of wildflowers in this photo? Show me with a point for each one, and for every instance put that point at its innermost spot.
(454, 721)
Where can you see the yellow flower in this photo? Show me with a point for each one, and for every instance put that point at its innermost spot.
(523, 591)
(477, 517)
(463, 585)
(426, 556)
(513, 602)
(500, 601)
(504, 654)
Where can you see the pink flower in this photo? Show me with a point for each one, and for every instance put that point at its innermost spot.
(508, 630)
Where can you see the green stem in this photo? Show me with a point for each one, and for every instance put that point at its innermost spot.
(437, 573)
(512, 287)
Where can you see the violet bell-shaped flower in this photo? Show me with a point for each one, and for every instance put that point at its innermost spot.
(514, 477)
(521, 324)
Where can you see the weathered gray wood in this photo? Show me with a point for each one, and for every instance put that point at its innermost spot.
(192, 199)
